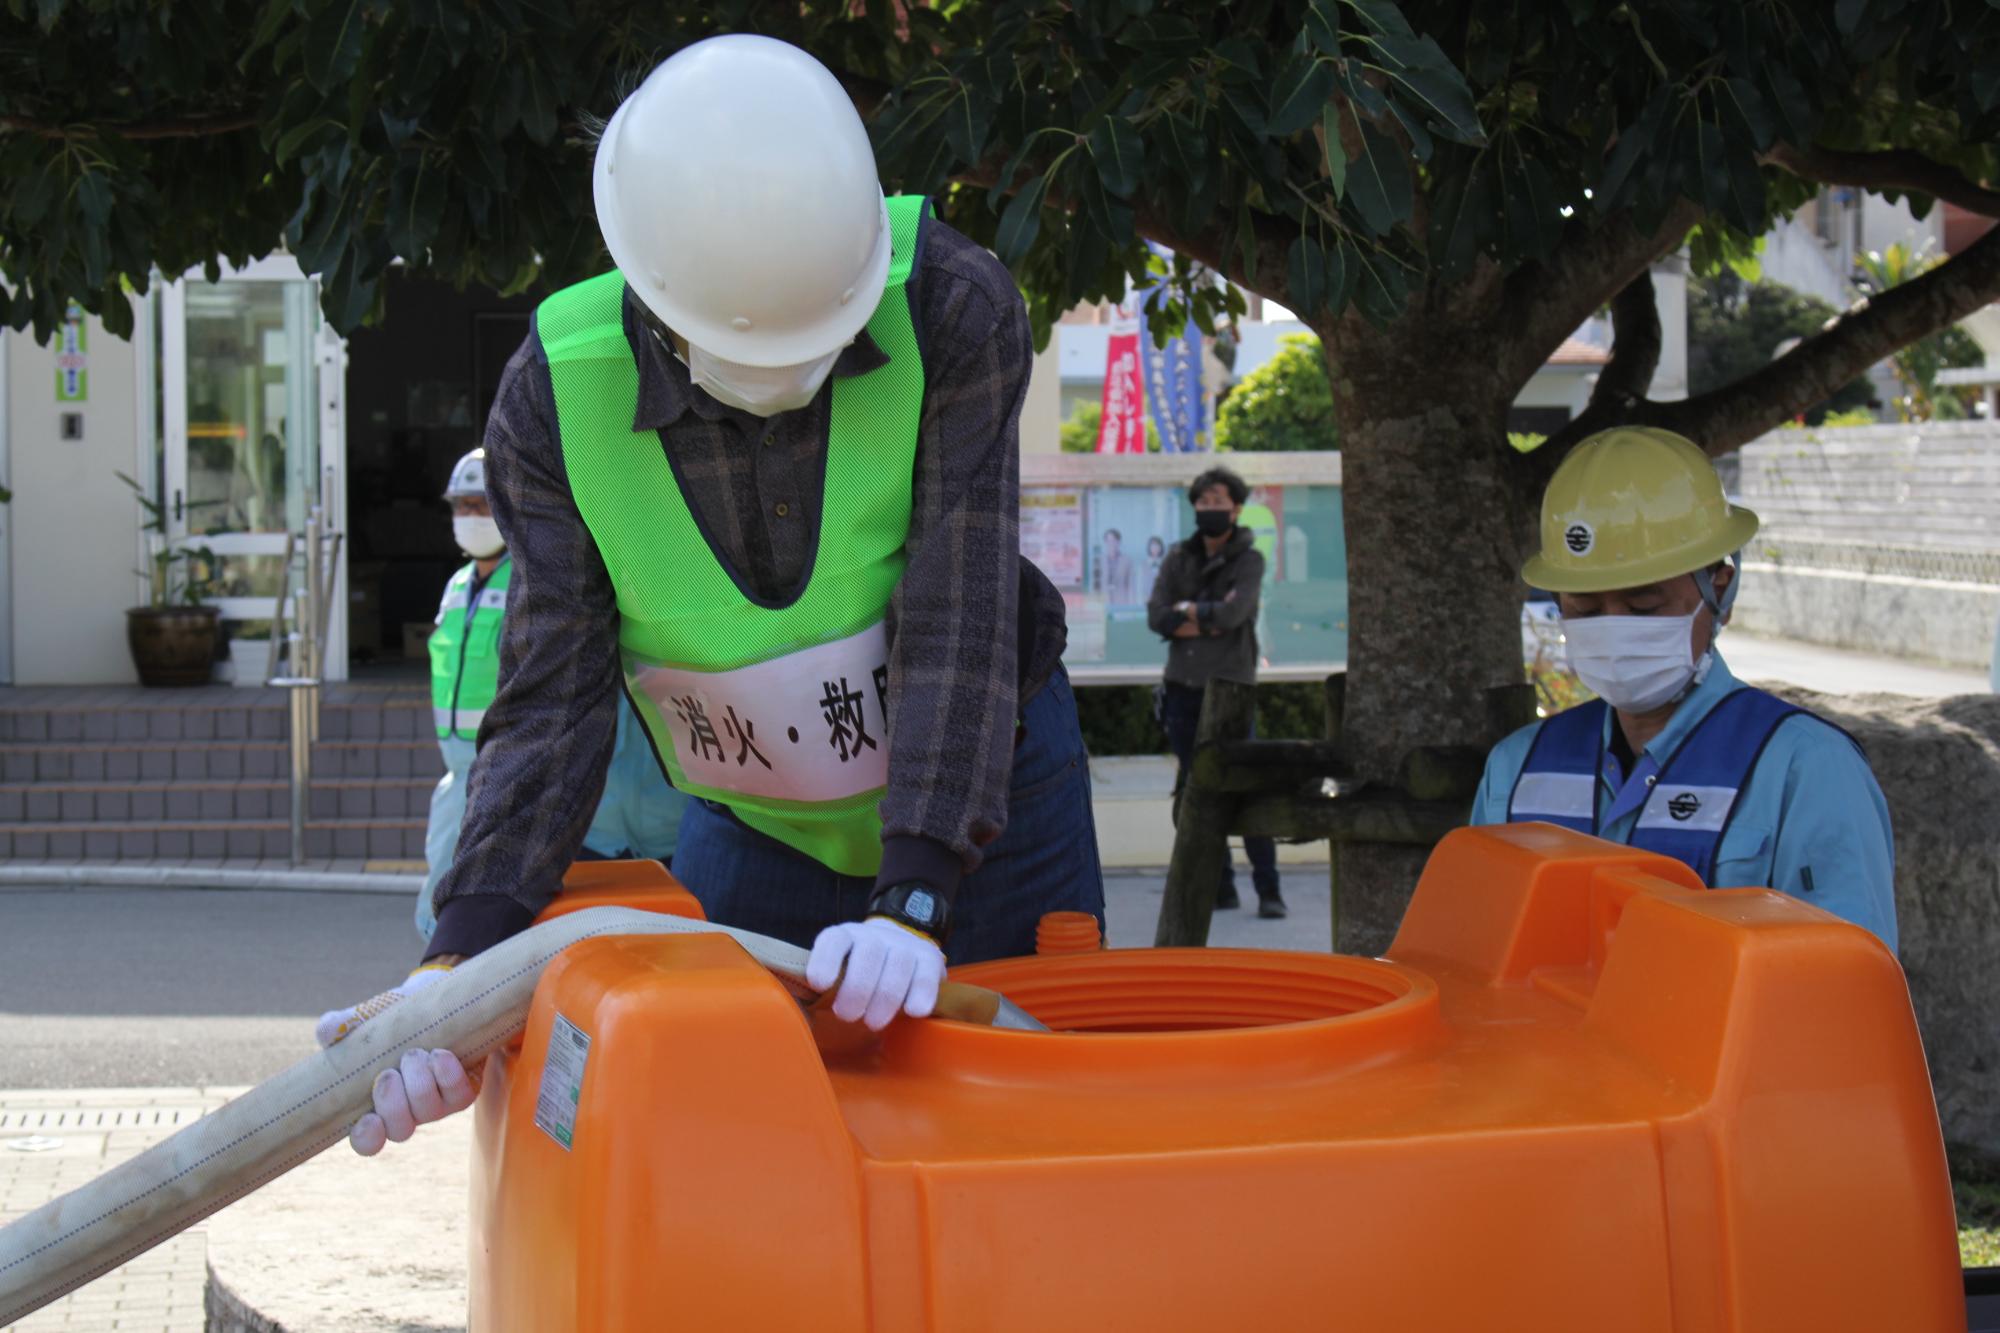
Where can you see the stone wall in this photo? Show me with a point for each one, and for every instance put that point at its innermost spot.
(1883, 538)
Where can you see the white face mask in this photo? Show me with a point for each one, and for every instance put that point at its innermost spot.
(1635, 663)
(762, 391)
(477, 535)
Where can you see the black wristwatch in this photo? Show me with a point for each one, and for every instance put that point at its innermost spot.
(915, 904)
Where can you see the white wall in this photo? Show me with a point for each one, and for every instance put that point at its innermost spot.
(1041, 412)
(75, 544)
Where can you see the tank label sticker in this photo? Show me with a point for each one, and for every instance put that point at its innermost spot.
(562, 1082)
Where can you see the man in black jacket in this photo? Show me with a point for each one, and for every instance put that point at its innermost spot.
(1204, 604)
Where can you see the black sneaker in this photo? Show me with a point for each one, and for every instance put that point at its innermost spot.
(1225, 898)
(1271, 905)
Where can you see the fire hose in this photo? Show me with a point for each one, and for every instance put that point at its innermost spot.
(292, 1117)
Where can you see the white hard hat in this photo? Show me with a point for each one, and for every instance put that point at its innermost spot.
(737, 193)
(468, 477)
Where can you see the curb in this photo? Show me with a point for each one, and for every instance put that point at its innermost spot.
(206, 877)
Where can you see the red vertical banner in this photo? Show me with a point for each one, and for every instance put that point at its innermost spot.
(1122, 428)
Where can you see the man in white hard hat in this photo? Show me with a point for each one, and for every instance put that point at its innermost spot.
(637, 816)
(1675, 755)
(763, 479)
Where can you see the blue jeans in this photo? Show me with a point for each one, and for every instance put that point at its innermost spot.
(1046, 861)
(1180, 714)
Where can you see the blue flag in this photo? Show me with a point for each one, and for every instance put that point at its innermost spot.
(1173, 383)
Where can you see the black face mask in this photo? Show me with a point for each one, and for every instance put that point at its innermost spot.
(1213, 522)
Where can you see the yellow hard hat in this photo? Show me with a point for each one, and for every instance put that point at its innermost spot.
(1631, 506)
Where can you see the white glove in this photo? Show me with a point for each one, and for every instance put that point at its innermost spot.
(424, 1086)
(889, 967)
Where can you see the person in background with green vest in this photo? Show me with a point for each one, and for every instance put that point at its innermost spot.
(639, 814)
(764, 481)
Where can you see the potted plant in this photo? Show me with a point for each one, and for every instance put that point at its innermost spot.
(250, 653)
(173, 640)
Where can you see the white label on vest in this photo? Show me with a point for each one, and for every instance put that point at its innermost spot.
(809, 726)
(1689, 809)
(1565, 795)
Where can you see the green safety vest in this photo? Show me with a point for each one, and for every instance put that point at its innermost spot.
(465, 652)
(777, 710)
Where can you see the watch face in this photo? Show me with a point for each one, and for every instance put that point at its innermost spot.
(921, 906)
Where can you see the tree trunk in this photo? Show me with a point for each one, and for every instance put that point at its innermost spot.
(1438, 512)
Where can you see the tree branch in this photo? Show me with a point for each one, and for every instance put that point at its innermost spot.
(1542, 304)
(159, 129)
(1894, 169)
(1810, 373)
(1635, 354)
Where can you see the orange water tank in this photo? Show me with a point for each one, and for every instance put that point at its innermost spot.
(1581, 1093)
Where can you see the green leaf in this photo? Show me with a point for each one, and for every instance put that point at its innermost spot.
(1301, 93)
(1460, 216)
(93, 193)
(967, 121)
(1021, 222)
(1633, 141)
(1413, 125)
(1119, 153)
(1380, 290)
(1336, 152)
(1427, 76)
(1246, 242)
(1186, 151)
(1793, 105)
(297, 137)
(1383, 18)
(1366, 98)
(1323, 26)
(268, 26)
(538, 114)
(1379, 184)
(1713, 166)
(1757, 117)
(1746, 186)
(333, 44)
(1847, 14)
(1305, 276)
(32, 197)
(416, 207)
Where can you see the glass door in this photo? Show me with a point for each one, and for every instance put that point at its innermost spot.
(245, 458)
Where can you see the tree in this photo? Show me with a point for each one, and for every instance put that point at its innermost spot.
(1079, 433)
(1442, 189)
(1917, 364)
(1735, 327)
(1284, 405)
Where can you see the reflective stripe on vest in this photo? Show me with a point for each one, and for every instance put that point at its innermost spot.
(777, 710)
(465, 657)
(1695, 795)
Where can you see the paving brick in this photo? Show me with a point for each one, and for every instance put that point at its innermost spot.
(277, 844)
(30, 726)
(393, 761)
(329, 761)
(53, 765)
(44, 806)
(100, 845)
(191, 765)
(357, 802)
(138, 845)
(66, 846)
(225, 762)
(324, 803)
(66, 725)
(17, 766)
(319, 843)
(97, 726)
(130, 724)
(167, 724)
(30, 846)
(208, 845)
(13, 806)
(264, 763)
(385, 841)
(174, 845)
(155, 765)
(334, 723)
(78, 807)
(121, 766)
(268, 724)
(6, 844)
(243, 842)
(391, 800)
(351, 843)
(198, 724)
(114, 806)
(149, 805)
(232, 724)
(413, 843)
(255, 803)
(217, 803)
(183, 803)
(366, 724)
(88, 765)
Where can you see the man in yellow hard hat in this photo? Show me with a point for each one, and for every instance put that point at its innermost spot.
(1675, 755)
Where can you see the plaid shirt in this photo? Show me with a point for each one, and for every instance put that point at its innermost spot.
(973, 627)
